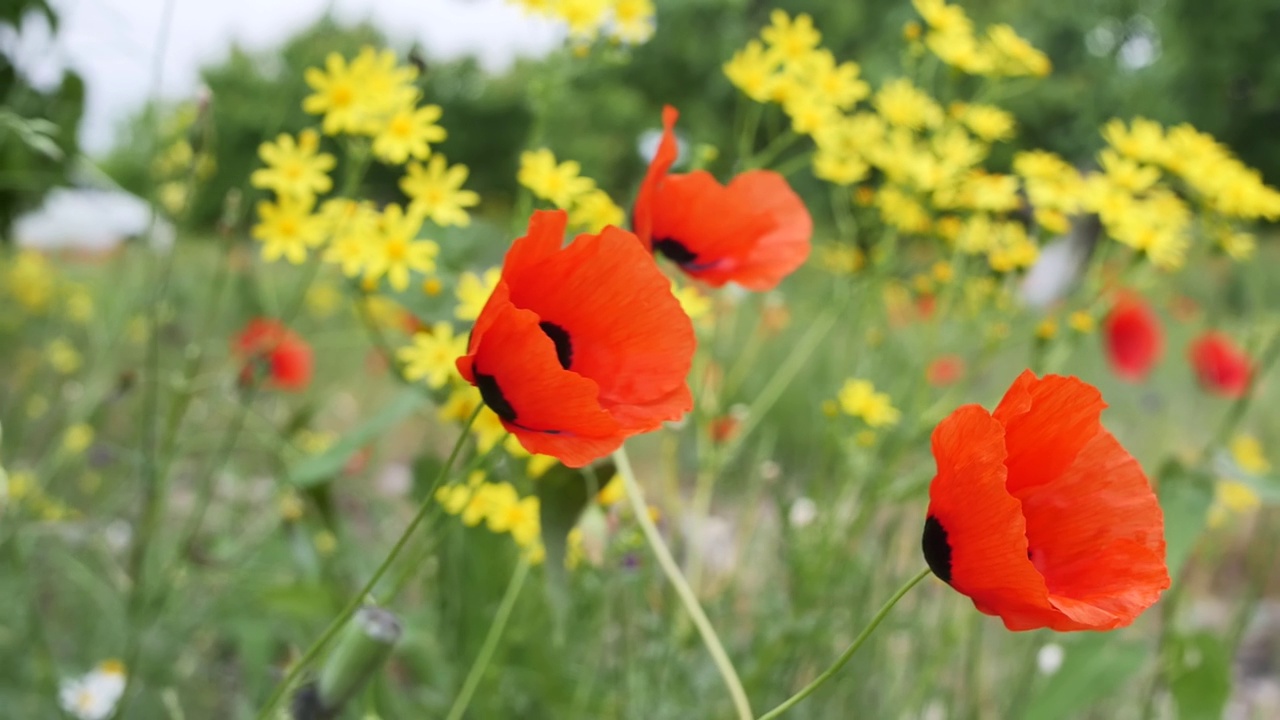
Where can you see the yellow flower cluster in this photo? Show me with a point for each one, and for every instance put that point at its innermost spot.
(858, 398)
(562, 184)
(929, 157)
(35, 285)
(19, 489)
(500, 507)
(627, 21)
(1137, 194)
(1001, 53)
(374, 99)
(787, 66)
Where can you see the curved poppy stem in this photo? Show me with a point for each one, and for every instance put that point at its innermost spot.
(847, 654)
(491, 639)
(691, 605)
(359, 598)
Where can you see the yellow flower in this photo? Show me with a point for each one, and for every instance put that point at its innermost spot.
(1231, 498)
(904, 105)
(1081, 322)
(753, 70)
(77, 439)
(594, 210)
(988, 122)
(488, 430)
(559, 183)
(436, 192)
(941, 17)
(397, 252)
(633, 20)
(353, 226)
(583, 16)
(961, 50)
(325, 542)
(323, 299)
(519, 518)
(696, 305)
(79, 305)
(1237, 245)
(791, 39)
(1143, 141)
(488, 500)
(30, 280)
(473, 292)
(860, 399)
(810, 112)
(612, 493)
(1127, 174)
(841, 259)
(838, 84)
(291, 507)
(338, 96)
(296, 168)
(288, 229)
(431, 357)
(1016, 56)
(1047, 329)
(1248, 455)
(63, 356)
(407, 133)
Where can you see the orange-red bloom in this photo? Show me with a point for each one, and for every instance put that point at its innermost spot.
(1133, 337)
(1040, 516)
(580, 347)
(1223, 368)
(281, 354)
(944, 370)
(754, 231)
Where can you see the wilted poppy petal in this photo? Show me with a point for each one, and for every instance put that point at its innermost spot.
(663, 159)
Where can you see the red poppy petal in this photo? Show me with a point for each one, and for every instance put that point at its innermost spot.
(1097, 536)
(1221, 367)
(1133, 338)
(551, 410)
(291, 365)
(704, 228)
(980, 524)
(663, 159)
(1047, 422)
(785, 247)
(498, 301)
(541, 241)
(617, 322)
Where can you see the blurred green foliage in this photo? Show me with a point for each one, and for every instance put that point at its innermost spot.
(38, 127)
(1202, 65)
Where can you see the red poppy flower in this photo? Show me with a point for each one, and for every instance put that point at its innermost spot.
(944, 370)
(281, 354)
(1223, 368)
(753, 231)
(580, 347)
(1133, 337)
(1040, 516)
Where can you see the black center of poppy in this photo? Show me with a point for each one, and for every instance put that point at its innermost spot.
(559, 336)
(937, 551)
(675, 251)
(492, 395)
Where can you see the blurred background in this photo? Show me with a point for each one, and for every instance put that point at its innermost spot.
(104, 71)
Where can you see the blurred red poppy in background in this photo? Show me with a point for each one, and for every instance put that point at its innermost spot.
(1040, 516)
(1222, 367)
(754, 231)
(1133, 338)
(944, 370)
(268, 347)
(580, 347)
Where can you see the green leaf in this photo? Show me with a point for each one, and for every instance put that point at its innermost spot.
(1200, 676)
(1093, 667)
(323, 467)
(1185, 496)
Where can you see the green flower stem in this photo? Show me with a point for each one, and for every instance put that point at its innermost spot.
(847, 654)
(490, 645)
(669, 567)
(359, 599)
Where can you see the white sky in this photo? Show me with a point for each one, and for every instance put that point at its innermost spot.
(114, 43)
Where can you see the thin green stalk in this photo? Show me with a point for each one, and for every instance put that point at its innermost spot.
(827, 674)
(490, 644)
(359, 598)
(773, 150)
(669, 567)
